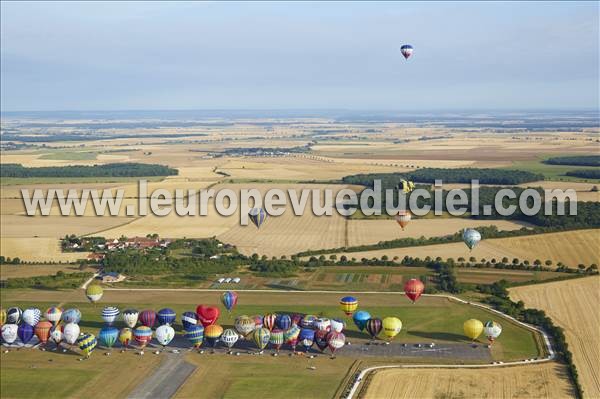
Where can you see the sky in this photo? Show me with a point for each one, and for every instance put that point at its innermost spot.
(298, 55)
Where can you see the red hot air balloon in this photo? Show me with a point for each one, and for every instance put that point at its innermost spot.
(148, 318)
(413, 289)
(207, 315)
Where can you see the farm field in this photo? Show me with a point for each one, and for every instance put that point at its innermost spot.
(37, 249)
(572, 305)
(543, 381)
(17, 271)
(570, 248)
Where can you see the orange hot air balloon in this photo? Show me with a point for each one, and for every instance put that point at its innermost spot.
(42, 331)
(413, 289)
(403, 218)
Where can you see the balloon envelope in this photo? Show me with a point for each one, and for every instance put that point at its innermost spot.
(261, 337)
(195, 334)
(403, 218)
(110, 314)
(406, 50)
(32, 316)
(492, 330)
(108, 336)
(72, 315)
(142, 335)
(42, 331)
(348, 304)
(164, 334)
(212, 333)
(71, 333)
(276, 338)
(335, 341)
(13, 315)
(244, 325)
(25, 333)
(473, 328)
(207, 315)
(87, 343)
(413, 289)
(269, 321)
(257, 216)
(94, 292)
(360, 319)
(130, 317)
(10, 333)
(337, 325)
(148, 318)
(321, 339)
(189, 319)
(125, 336)
(471, 237)
(166, 316)
(374, 327)
(229, 299)
(283, 321)
(2, 316)
(56, 335)
(229, 337)
(391, 327)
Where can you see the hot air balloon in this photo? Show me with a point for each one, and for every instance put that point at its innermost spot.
(10, 333)
(244, 325)
(56, 336)
(276, 339)
(94, 292)
(87, 343)
(297, 318)
(308, 321)
(110, 314)
(53, 315)
(335, 341)
(360, 319)
(307, 338)
(32, 316)
(261, 337)
(189, 319)
(258, 320)
(337, 325)
(125, 336)
(471, 237)
(71, 333)
(42, 331)
(72, 315)
(269, 321)
(13, 315)
(492, 330)
(473, 328)
(212, 333)
(373, 327)
(321, 339)
(413, 289)
(108, 336)
(403, 218)
(164, 334)
(257, 216)
(291, 336)
(229, 300)
(283, 321)
(130, 317)
(166, 316)
(207, 315)
(2, 316)
(406, 50)
(195, 334)
(348, 304)
(147, 318)
(142, 335)
(25, 333)
(406, 186)
(323, 324)
(229, 337)
(391, 327)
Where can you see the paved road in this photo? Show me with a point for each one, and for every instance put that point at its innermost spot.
(166, 380)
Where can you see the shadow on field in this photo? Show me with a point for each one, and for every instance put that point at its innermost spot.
(440, 336)
(283, 287)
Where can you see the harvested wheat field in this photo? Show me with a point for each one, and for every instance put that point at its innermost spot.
(573, 305)
(546, 380)
(37, 249)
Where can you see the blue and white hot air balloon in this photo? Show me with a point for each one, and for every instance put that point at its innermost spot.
(471, 237)
(31, 316)
(166, 316)
(110, 314)
(406, 50)
(257, 216)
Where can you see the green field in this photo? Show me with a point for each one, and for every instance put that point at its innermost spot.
(13, 181)
(551, 172)
(70, 155)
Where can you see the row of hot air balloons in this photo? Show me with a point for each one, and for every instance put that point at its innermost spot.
(473, 328)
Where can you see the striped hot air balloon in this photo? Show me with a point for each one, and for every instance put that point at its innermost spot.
(212, 334)
(403, 218)
(195, 334)
(308, 321)
(244, 325)
(53, 315)
(142, 335)
(87, 343)
(72, 315)
(42, 331)
(283, 321)
(166, 316)
(107, 336)
(110, 314)
(291, 336)
(229, 299)
(148, 318)
(229, 337)
(374, 327)
(257, 216)
(261, 337)
(307, 338)
(276, 338)
(268, 321)
(94, 292)
(13, 315)
(189, 319)
(25, 333)
(335, 341)
(32, 316)
(348, 304)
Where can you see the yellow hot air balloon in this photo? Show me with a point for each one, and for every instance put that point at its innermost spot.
(391, 327)
(94, 292)
(473, 328)
(2, 316)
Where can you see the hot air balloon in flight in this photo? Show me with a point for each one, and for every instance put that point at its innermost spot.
(283, 321)
(307, 338)
(492, 330)
(42, 331)
(360, 319)
(87, 343)
(189, 319)
(403, 218)
(2, 316)
(130, 317)
(13, 315)
(406, 50)
(142, 335)
(348, 304)
(406, 186)
(391, 327)
(71, 333)
(10, 333)
(164, 334)
(212, 333)
(195, 334)
(244, 325)
(110, 314)
(269, 321)
(108, 336)
(125, 336)
(261, 337)
(94, 292)
(373, 327)
(471, 237)
(207, 315)
(257, 216)
(32, 316)
(229, 337)
(229, 299)
(166, 316)
(473, 328)
(147, 318)
(25, 333)
(335, 341)
(72, 315)
(413, 289)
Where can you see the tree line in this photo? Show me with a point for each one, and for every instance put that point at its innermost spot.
(107, 170)
(585, 160)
